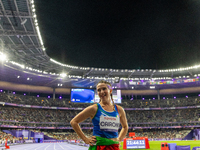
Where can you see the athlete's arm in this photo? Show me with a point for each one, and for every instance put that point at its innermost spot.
(123, 122)
(88, 112)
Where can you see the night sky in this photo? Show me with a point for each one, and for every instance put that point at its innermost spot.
(128, 34)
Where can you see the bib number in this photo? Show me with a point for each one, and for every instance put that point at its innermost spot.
(109, 123)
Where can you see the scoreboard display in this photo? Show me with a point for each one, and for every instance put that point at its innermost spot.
(135, 144)
(82, 95)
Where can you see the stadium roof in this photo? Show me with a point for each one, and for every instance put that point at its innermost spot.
(22, 43)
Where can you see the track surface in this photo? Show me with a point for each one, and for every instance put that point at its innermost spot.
(48, 146)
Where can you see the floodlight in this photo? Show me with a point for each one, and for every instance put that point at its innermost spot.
(3, 57)
(152, 87)
(63, 75)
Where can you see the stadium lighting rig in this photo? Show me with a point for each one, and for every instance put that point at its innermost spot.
(63, 75)
(152, 87)
(17, 64)
(180, 69)
(36, 24)
(60, 84)
(3, 57)
(99, 69)
(64, 65)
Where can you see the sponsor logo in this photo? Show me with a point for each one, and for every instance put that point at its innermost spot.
(109, 118)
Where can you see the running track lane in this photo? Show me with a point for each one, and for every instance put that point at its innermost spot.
(48, 146)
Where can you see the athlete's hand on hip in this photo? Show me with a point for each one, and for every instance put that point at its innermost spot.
(91, 141)
(119, 140)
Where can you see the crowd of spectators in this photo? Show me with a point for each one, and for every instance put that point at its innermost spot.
(163, 116)
(162, 103)
(10, 138)
(60, 118)
(21, 116)
(165, 134)
(146, 103)
(37, 117)
(67, 135)
(168, 134)
(31, 100)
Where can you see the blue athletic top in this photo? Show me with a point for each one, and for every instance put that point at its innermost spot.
(106, 124)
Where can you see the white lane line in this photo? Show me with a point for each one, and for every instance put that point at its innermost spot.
(27, 146)
(78, 147)
(24, 147)
(47, 146)
(54, 147)
(60, 146)
(75, 147)
(40, 146)
(68, 147)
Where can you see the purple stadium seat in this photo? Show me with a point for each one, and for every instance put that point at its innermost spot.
(196, 148)
(172, 146)
(183, 147)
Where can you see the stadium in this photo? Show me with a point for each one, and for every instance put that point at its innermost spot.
(39, 96)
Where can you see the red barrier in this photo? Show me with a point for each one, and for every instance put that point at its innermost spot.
(7, 147)
(164, 146)
(131, 134)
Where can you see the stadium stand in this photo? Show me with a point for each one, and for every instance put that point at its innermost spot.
(152, 103)
(164, 119)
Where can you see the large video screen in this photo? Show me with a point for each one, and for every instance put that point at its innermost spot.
(116, 96)
(82, 95)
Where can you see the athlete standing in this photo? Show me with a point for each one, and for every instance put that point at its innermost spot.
(106, 118)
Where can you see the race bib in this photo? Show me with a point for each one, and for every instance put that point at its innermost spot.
(110, 124)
